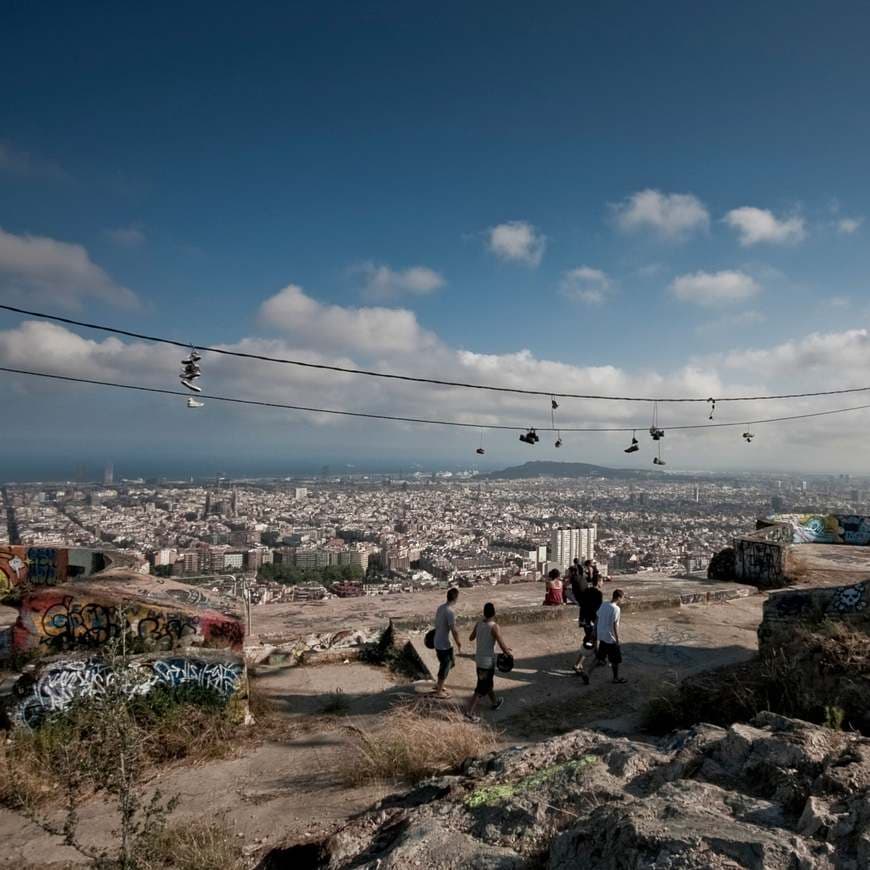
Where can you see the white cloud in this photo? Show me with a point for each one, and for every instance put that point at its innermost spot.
(21, 163)
(336, 335)
(715, 288)
(839, 301)
(816, 359)
(37, 268)
(381, 283)
(517, 241)
(755, 225)
(127, 237)
(585, 284)
(367, 329)
(671, 215)
(847, 226)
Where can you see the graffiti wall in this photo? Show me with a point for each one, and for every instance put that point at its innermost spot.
(57, 685)
(783, 610)
(45, 566)
(851, 529)
(53, 620)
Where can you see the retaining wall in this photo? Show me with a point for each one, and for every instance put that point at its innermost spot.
(53, 686)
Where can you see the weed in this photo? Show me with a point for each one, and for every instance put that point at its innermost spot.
(411, 746)
(191, 846)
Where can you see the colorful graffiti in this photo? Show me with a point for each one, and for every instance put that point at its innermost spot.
(42, 566)
(851, 529)
(53, 620)
(60, 684)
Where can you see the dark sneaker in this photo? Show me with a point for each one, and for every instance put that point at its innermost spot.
(585, 677)
(498, 703)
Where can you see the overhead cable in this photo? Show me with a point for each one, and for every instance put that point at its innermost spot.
(420, 380)
(372, 416)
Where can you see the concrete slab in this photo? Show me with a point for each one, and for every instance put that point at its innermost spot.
(286, 623)
(826, 564)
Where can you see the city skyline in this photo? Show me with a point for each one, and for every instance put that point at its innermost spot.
(587, 200)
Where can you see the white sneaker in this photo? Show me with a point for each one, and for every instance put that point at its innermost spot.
(192, 403)
(190, 385)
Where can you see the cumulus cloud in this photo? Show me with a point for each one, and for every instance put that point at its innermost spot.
(832, 355)
(848, 226)
(37, 268)
(132, 236)
(585, 284)
(382, 283)
(757, 225)
(317, 334)
(715, 288)
(517, 241)
(672, 216)
(367, 329)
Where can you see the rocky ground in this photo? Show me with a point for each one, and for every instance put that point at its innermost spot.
(776, 793)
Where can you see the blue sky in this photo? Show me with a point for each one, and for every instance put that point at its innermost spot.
(647, 194)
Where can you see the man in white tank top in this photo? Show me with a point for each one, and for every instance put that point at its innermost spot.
(487, 634)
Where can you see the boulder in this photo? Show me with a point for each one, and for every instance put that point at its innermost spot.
(776, 793)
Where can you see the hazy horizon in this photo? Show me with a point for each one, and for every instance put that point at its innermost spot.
(587, 199)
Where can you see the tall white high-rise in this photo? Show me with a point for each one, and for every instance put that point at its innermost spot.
(566, 545)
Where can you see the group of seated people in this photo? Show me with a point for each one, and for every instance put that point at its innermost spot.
(579, 577)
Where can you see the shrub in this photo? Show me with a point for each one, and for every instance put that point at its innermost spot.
(411, 746)
(191, 846)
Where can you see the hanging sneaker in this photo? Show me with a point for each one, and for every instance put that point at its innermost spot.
(190, 385)
(192, 403)
(632, 449)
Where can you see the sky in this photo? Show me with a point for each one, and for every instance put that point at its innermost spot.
(600, 197)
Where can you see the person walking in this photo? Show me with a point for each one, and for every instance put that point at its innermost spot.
(554, 596)
(487, 634)
(574, 584)
(581, 576)
(590, 602)
(445, 626)
(607, 626)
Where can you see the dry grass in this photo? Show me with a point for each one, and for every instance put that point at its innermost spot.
(412, 745)
(191, 846)
(189, 725)
(820, 675)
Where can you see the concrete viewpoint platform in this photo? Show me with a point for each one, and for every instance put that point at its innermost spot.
(521, 602)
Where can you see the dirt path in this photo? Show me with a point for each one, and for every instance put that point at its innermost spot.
(286, 785)
(544, 697)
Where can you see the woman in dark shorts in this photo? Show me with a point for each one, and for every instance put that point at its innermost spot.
(487, 634)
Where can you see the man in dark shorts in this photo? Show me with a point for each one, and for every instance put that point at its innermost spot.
(487, 634)
(608, 635)
(445, 626)
(590, 602)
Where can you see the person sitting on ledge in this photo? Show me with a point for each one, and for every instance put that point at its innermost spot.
(554, 596)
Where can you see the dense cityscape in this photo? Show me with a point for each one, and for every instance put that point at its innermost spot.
(296, 539)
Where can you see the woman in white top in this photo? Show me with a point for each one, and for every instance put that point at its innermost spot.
(487, 634)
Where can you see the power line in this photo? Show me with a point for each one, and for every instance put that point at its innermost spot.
(419, 380)
(371, 416)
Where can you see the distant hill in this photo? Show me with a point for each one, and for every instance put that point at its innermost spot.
(564, 469)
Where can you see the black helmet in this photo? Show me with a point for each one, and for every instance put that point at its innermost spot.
(504, 662)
